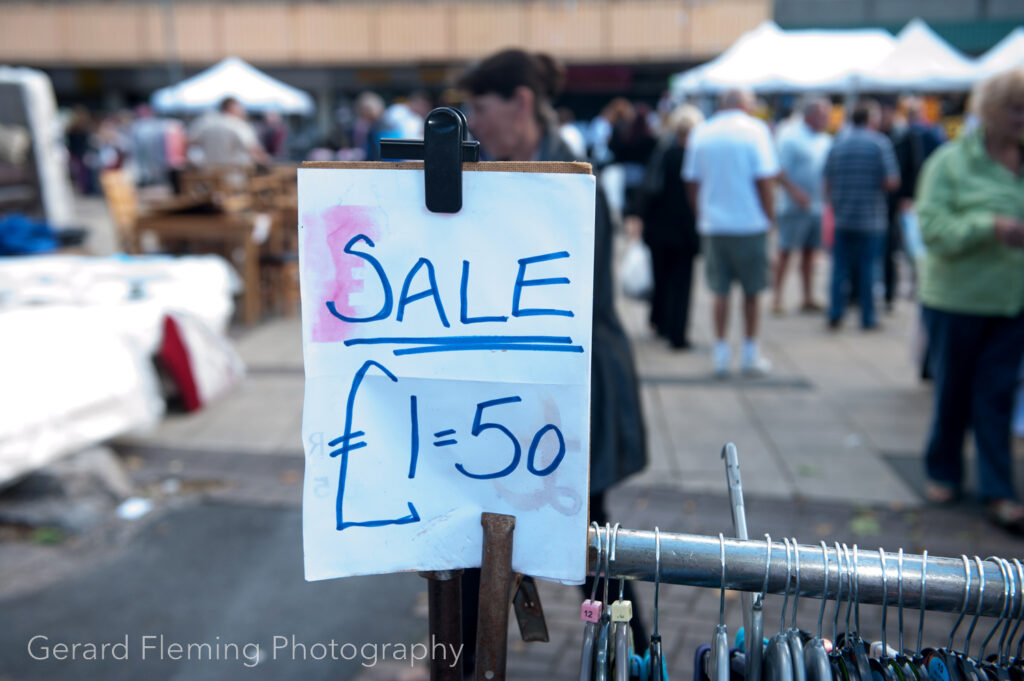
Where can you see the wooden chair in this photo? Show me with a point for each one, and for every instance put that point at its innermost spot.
(274, 193)
(225, 186)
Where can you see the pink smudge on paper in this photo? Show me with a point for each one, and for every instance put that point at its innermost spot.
(330, 272)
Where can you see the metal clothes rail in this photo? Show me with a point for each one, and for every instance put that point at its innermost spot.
(695, 560)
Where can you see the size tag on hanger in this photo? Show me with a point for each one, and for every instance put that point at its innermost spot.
(622, 611)
(590, 611)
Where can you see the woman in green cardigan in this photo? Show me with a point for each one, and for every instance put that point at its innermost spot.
(970, 204)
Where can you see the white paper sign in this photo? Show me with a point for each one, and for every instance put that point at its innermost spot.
(447, 367)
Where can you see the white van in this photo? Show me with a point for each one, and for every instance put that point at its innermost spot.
(33, 159)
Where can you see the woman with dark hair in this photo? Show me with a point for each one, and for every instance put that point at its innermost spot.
(510, 113)
(510, 108)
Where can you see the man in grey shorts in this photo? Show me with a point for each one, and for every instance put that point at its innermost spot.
(729, 169)
(803, 148)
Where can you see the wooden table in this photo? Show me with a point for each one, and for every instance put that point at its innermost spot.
(221, 233)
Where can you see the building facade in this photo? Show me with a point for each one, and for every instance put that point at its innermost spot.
(131, 48)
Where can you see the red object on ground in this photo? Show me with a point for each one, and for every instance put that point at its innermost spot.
(175, 358)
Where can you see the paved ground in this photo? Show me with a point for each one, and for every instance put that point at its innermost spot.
(842, 418)
(829, 448)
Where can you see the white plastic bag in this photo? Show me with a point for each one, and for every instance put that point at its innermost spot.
(636, 273)
(913, 244)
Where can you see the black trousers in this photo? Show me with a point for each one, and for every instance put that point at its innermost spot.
(975, 362)
(670, 301)
(471, 599)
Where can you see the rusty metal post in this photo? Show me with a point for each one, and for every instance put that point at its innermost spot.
(444, 603)
(495, 588)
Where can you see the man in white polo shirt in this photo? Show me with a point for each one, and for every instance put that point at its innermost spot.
(729, 169)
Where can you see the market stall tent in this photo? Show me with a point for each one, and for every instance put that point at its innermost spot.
(769, 59)
(920, 61)
(233, 77)
(1007, 53)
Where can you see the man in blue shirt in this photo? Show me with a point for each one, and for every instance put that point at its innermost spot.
(860, 169)
(803, 148)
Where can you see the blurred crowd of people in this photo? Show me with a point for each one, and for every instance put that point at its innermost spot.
(823, 174)
(883, 189)
(154, 148)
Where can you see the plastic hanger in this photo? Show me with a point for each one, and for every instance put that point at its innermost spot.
(590, 612)
(653, 662)
(755, 654)
(1016, 669)
(967, 665)
(993, 667)
(621, 614)
(942, 664)
(840, 667)
(720, 640)
(602, 653)
(884, 664)
(1016, 596)
(917, 660)
(1016, 660)
(903, 661)
(843, 656)
(855, 648)
(1008, 594)
(778, 660)
(816, 661)
(793, 638)
(651, 665)
(1006, 639)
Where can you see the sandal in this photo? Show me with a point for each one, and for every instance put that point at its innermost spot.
(1007, 515)
(940, 495)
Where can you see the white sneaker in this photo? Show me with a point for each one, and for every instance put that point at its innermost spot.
(721, 359)
(759, 365)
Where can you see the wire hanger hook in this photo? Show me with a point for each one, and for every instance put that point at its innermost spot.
(796, 592)
(824, 591)
(967, 596)
(977, 609)
(1004, 610)
(924, 602)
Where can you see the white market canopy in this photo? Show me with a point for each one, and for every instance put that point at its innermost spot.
(921, 61)
(769, 59)
(232, 77)
(1007, 53)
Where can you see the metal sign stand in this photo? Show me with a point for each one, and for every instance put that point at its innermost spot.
(444, 605)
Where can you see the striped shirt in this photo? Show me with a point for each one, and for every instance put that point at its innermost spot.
(857, 167)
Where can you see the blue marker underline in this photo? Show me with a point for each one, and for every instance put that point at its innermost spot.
(535, 347)
(457, 340)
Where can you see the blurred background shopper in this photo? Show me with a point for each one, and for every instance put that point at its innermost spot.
(510, 113)
(971, 206)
